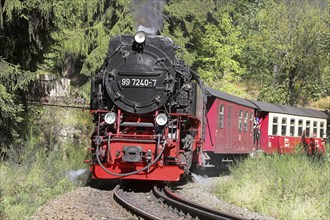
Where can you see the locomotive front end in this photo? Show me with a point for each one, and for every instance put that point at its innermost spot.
(142, 101)
(136, 147)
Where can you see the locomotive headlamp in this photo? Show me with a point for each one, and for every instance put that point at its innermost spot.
(140, 37)
(161, 119)
(110, 118)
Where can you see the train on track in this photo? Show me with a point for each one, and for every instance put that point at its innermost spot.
(155, 119)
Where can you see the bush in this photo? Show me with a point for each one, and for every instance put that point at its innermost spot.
(285, 187)
(38, 178)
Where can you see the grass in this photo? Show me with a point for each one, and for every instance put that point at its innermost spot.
(284, 187)
(36, 171)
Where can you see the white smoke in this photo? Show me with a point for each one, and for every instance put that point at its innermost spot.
(148, 14)
(198, 178)
(147, 30)
(76, 175)
(204, 181)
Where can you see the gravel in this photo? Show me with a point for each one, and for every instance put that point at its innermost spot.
(83, 203)
(92, 203)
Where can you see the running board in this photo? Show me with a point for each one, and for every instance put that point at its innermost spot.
(137, 124)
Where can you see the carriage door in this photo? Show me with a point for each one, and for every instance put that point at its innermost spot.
(229, 133)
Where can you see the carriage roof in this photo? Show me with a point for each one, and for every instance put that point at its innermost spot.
(230, 98)
(290, 110)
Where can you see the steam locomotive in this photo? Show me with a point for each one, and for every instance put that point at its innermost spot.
(148, 110)
(155, 119)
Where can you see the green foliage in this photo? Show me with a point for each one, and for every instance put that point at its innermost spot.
(221, 47)
(284, 187)
(25, 29)
(86, 34)
(13, 80)
(184, 21)
(208, 38)
(283, 53)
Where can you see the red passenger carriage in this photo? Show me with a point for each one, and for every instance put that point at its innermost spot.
(237, 127)
(283, 128)
(229, 129)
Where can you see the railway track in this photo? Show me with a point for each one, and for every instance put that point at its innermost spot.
(179, 207)
(119, 196)
(193, 209)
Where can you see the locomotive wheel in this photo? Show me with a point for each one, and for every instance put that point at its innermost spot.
(186, 160)
(186, 157)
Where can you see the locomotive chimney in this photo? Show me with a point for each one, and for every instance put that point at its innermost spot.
(142, 28)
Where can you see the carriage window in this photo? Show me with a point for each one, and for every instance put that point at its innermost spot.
(246, 116)
(251, 121)
(315, 129)
(221, 116)
(322, 129)
(283, 131)
(292, 125)
(308, 128)
(240, 120)
(300, 127)
(275, 124)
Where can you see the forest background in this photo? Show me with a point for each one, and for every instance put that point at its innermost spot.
(271, 50)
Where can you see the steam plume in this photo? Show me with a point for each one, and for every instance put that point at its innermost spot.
(148, 14)
(76, 175)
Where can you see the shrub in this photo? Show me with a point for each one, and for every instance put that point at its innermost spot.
(38, 178)
(35, 171)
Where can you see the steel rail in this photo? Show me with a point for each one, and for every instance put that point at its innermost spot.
(193, 209)
(132, 208)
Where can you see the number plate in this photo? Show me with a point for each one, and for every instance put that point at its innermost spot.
(138, 82)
